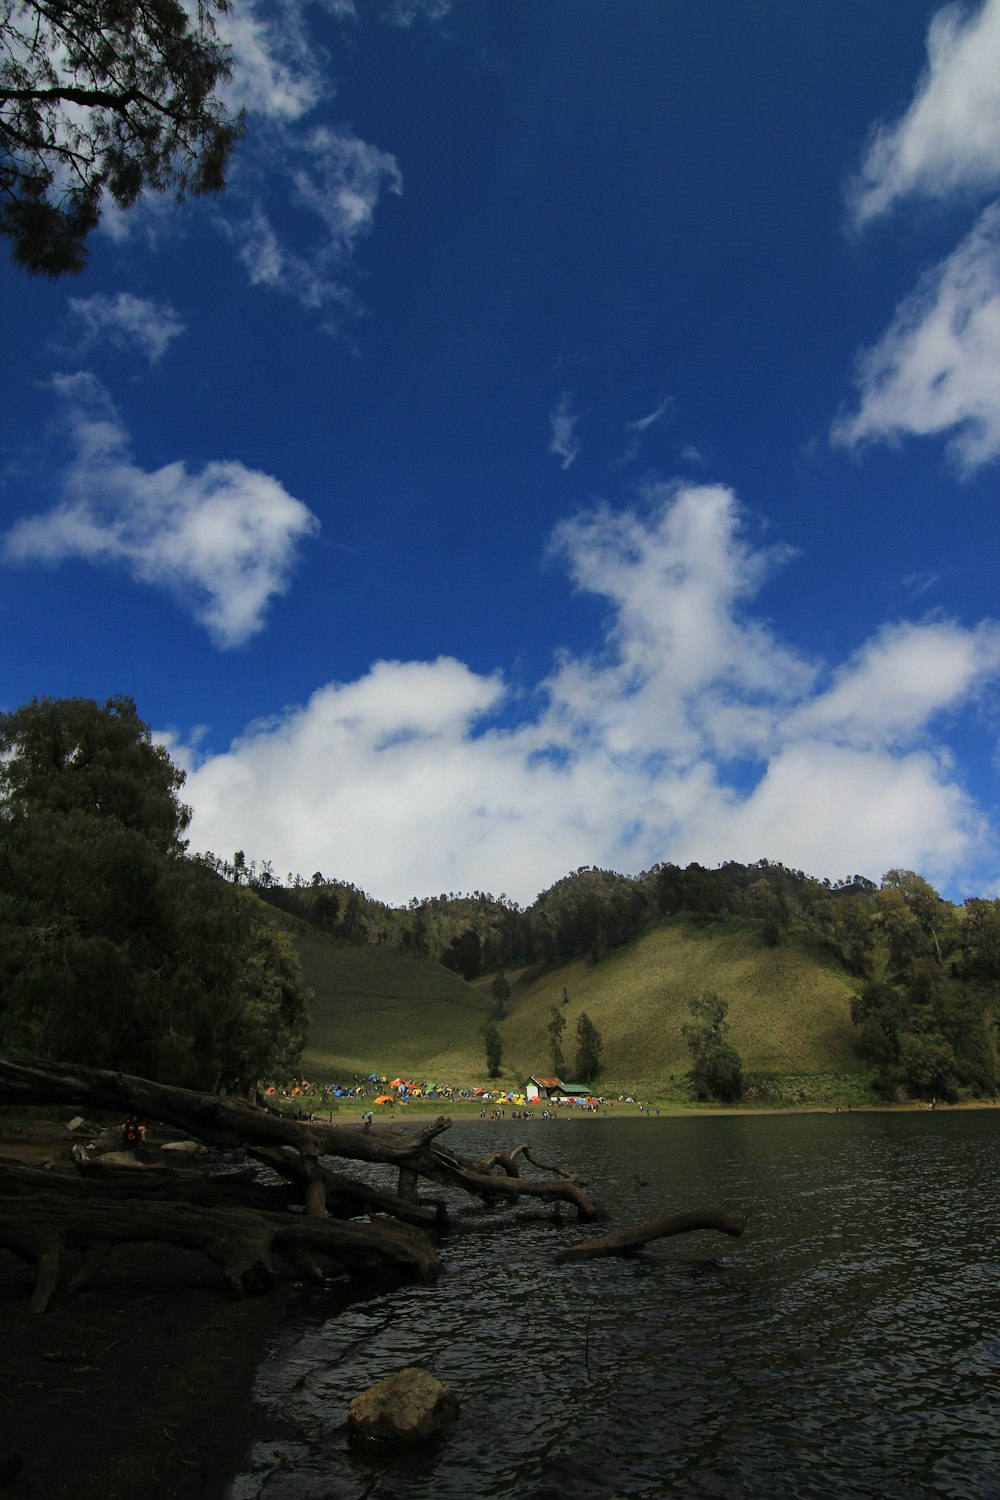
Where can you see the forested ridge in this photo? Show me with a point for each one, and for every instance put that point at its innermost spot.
(926, 972)
(119, 948)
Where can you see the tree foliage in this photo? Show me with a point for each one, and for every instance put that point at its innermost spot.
(116, 949)
(926, 1035)
(554, 1031)
(717, 1070)
(464, 954)
(104, 97)
(588, 1049)
(500, 990)
(494, 1049)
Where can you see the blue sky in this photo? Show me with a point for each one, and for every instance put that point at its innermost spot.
(571, 439)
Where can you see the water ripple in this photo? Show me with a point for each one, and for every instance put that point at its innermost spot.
(846, 1347)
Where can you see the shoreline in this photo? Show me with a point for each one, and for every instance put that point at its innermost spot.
(401, 1114)
(148, 1375)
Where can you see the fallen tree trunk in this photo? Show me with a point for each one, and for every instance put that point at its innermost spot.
(447, 1166)
(239, 1240)
(232, 1123)
(229, 1216)
(222, 1122)
(627, 1240)
(348, 1198)
(98, 1179)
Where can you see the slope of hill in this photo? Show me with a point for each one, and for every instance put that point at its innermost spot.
(378, 1010)
(789, 1006)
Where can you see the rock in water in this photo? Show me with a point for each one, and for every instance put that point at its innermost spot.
(409, 1405)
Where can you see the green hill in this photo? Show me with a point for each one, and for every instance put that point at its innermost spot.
(789, 1006)
(379, 1010)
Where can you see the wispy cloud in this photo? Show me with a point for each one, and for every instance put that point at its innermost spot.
(296, 179)
(280, 72)
(936, 369)
(222, 541)
(640, 426)
(562, 421)
(405, 12)
(948, 140)
(127, 322)
(339, 180)
(342, 181)
(636, 752)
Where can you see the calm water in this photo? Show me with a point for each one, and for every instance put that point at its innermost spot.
(848, 1345)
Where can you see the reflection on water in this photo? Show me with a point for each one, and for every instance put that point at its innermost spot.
(848, 1345)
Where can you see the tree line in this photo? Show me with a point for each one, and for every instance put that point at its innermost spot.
(118, 949)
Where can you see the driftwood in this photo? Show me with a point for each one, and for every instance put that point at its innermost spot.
(627, 1240)
(240, 1241)
(242, 1223)
(222, 1122)
(347, 1198)
(99, 1179)
(447, 1166)
(231, 1123)
(232, 1217)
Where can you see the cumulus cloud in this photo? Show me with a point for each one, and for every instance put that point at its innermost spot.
(127, 322)
(948, 140)
(222, 541)
(690, 732)
(936, 369)
(565, 444)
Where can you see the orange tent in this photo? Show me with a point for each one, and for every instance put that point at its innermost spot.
(385, 1099)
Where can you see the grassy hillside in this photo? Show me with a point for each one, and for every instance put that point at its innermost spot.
(789, 1006)
(378, 1010)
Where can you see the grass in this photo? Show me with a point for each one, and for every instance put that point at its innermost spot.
(380, 1011)
(789, 1006)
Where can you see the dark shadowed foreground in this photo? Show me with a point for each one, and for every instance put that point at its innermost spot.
(138, 1387)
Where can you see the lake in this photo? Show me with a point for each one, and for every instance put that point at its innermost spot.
(848, 1345)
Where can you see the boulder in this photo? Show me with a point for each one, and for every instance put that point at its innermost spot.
(407, 1406)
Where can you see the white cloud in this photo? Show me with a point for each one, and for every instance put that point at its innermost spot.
(222, 541)
(937, 367)
(126, 322)
(330, 183)
(642, 424)
(948, 140)
(405, 12)
(887, 694)
(301, 193)
(692, 733)
(565, 444)
(280, 72)
(342, 183)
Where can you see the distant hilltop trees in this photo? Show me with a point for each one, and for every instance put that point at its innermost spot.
(927, 972)
(589, 912)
